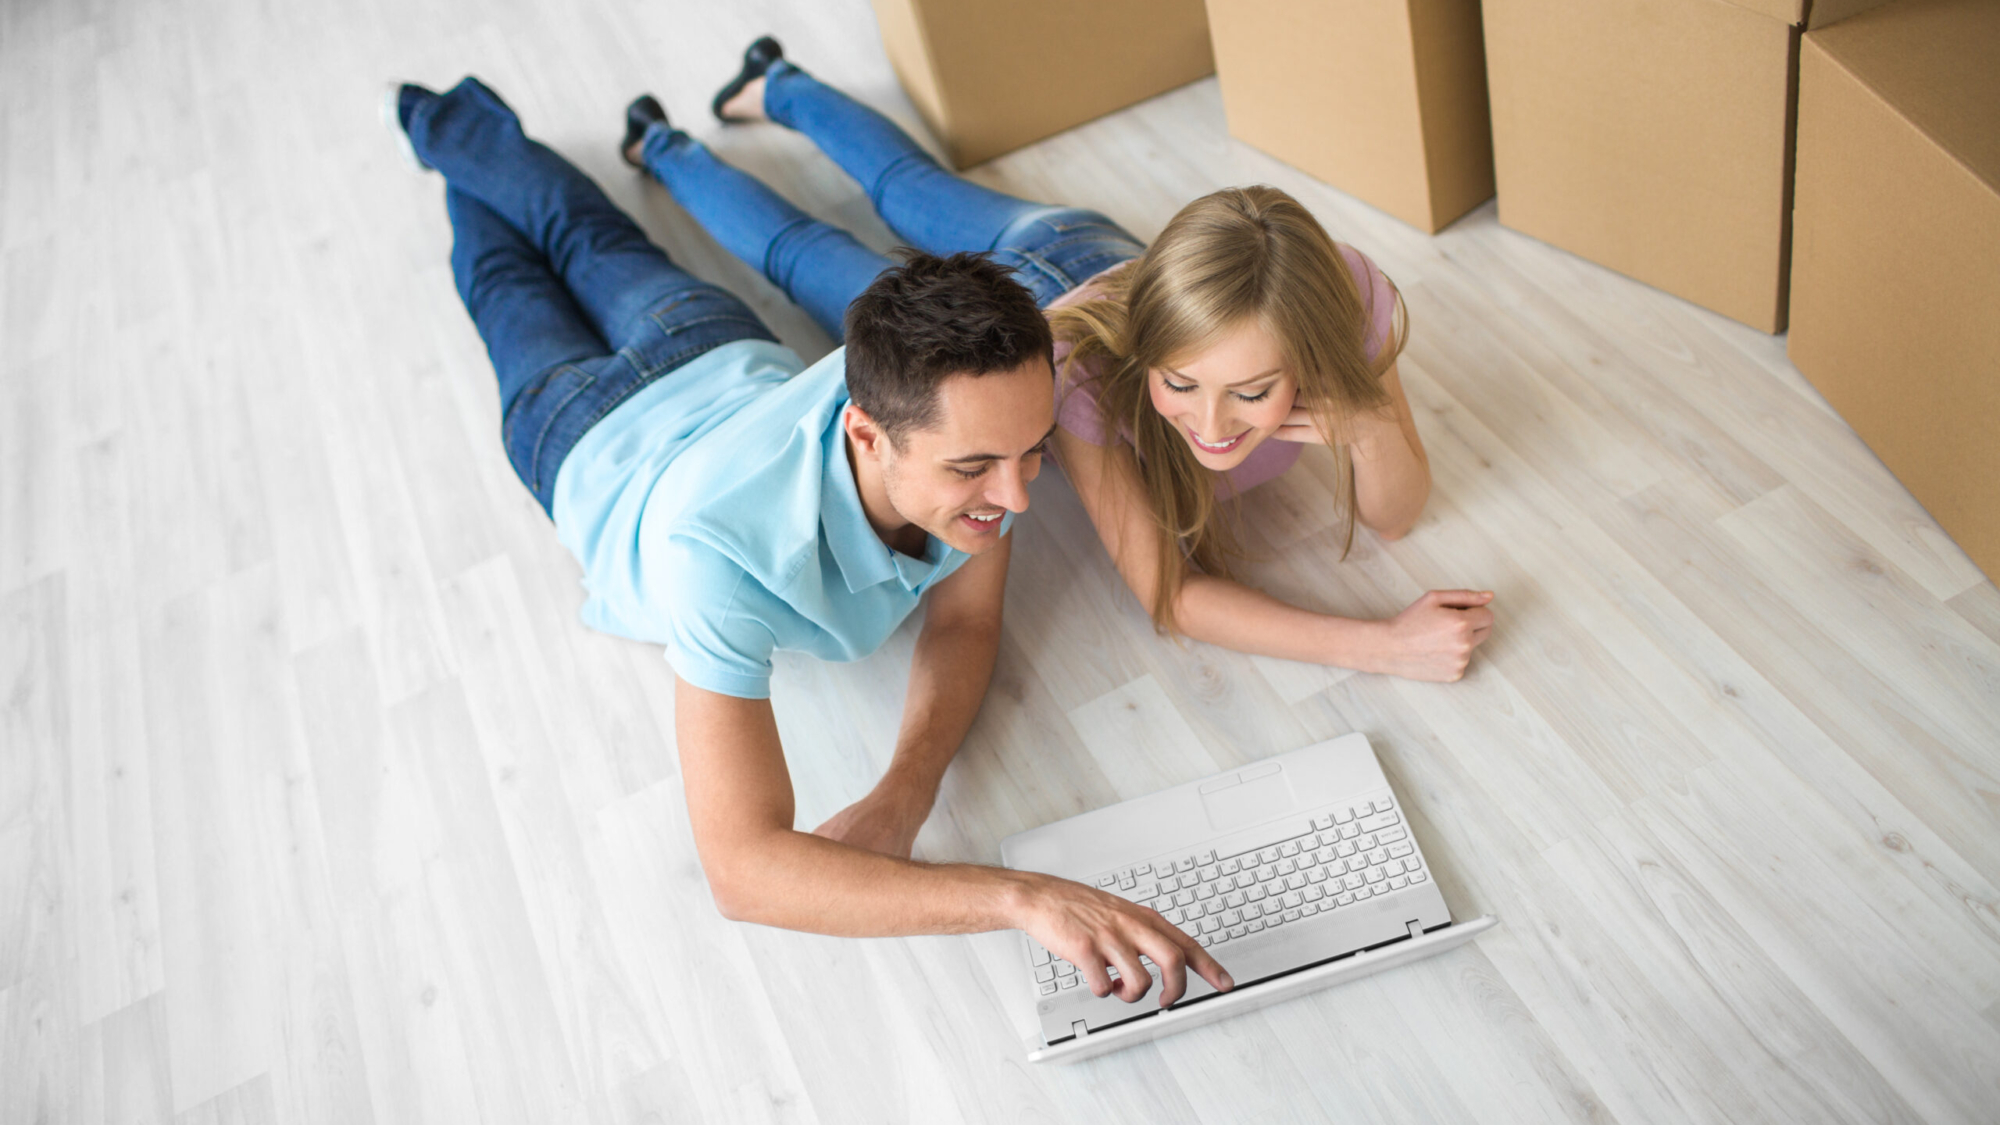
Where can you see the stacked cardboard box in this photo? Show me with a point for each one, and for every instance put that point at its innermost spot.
(991, 77)
(1896, 263)
(1386, 101)
(1654, 137)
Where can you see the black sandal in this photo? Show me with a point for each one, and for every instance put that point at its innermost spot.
(757, 59)
(644, 112)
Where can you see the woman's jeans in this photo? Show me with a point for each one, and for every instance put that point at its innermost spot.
(821, 267)
(579, 310)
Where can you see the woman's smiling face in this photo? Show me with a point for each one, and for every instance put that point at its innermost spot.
(1227, 398)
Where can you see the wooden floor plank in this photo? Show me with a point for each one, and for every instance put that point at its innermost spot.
(137, 1086)
(318, 804)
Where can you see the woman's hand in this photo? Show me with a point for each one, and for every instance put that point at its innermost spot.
(1434, 637)
(1364, 428)
(1299, 427)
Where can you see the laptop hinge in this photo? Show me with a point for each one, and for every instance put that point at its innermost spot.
(1415, 927)
(1079, 1028)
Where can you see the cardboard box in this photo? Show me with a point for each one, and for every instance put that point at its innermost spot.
(1896, 259)
(1655, 137)
(1385, 101)
(989, 77)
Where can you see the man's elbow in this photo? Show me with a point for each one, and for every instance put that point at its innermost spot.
(734, 885)
(731, 908)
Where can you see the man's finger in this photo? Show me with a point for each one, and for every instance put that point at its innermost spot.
(1133, 979)
(1200, 961)
(1462, 599)
(1092, 968)
(1172, 961)
(1210, 969)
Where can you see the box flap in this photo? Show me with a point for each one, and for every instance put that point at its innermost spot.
(1784, 11)
(1811, 13)
(1825, 12)
(1935, 62)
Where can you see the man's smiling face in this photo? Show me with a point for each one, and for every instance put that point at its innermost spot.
(957, 478)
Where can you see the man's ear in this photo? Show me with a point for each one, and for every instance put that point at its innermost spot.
(869, 439)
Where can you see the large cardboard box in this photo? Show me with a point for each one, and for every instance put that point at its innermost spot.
(1896, 260)
(1385, 101)
(990, 76)
(1655, 137)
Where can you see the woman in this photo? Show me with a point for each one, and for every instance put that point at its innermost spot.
(1191, 370)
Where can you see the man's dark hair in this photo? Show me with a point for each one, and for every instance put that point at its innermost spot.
(931, 318)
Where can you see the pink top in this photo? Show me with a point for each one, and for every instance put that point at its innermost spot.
(1076, 405)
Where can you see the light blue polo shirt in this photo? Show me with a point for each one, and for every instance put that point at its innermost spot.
(715, 513)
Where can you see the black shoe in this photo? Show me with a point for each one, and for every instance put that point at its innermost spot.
(756, 60)
(644, 112)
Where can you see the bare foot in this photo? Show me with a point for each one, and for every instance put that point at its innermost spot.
(748, 104)
(876, 825)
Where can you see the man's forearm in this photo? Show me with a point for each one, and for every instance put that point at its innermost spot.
(949, 674)
(801, 882)
(798, 881)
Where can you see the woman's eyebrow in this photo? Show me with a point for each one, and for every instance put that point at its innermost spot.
(1238, 383)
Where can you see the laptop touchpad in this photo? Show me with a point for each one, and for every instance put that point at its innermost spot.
(1252, 801)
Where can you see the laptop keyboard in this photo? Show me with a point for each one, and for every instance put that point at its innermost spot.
(1307, 867)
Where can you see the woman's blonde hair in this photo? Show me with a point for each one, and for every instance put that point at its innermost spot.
(1235, 255)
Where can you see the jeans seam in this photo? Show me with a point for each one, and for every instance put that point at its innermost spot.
(1072, 236)
(549, 420)
(682, 326)
(650, 371)
(1045, 216)
(606, 408)
(1046, 268)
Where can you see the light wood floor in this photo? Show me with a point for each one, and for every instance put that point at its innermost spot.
(318, 805)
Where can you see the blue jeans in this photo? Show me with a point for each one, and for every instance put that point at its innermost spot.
(578, 309)
(821, 267)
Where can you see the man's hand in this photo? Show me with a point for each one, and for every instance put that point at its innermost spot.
(1434, 637)
(1096, 931)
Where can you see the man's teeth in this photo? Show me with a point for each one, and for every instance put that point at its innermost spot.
(984, 519)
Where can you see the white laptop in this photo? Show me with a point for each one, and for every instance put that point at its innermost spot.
(1296, 873)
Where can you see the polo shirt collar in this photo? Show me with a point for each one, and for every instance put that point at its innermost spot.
(863, 558)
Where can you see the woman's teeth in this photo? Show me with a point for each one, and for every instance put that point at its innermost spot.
(1222, 447)
(983, 519)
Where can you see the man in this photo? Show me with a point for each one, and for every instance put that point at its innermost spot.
(725, 504)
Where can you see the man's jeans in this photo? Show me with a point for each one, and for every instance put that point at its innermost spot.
(821, 267)
(578, 309)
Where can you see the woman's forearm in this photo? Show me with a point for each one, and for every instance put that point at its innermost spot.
(1234, 616)
(1431, 639)
(1392, 482)
(1392, 474)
